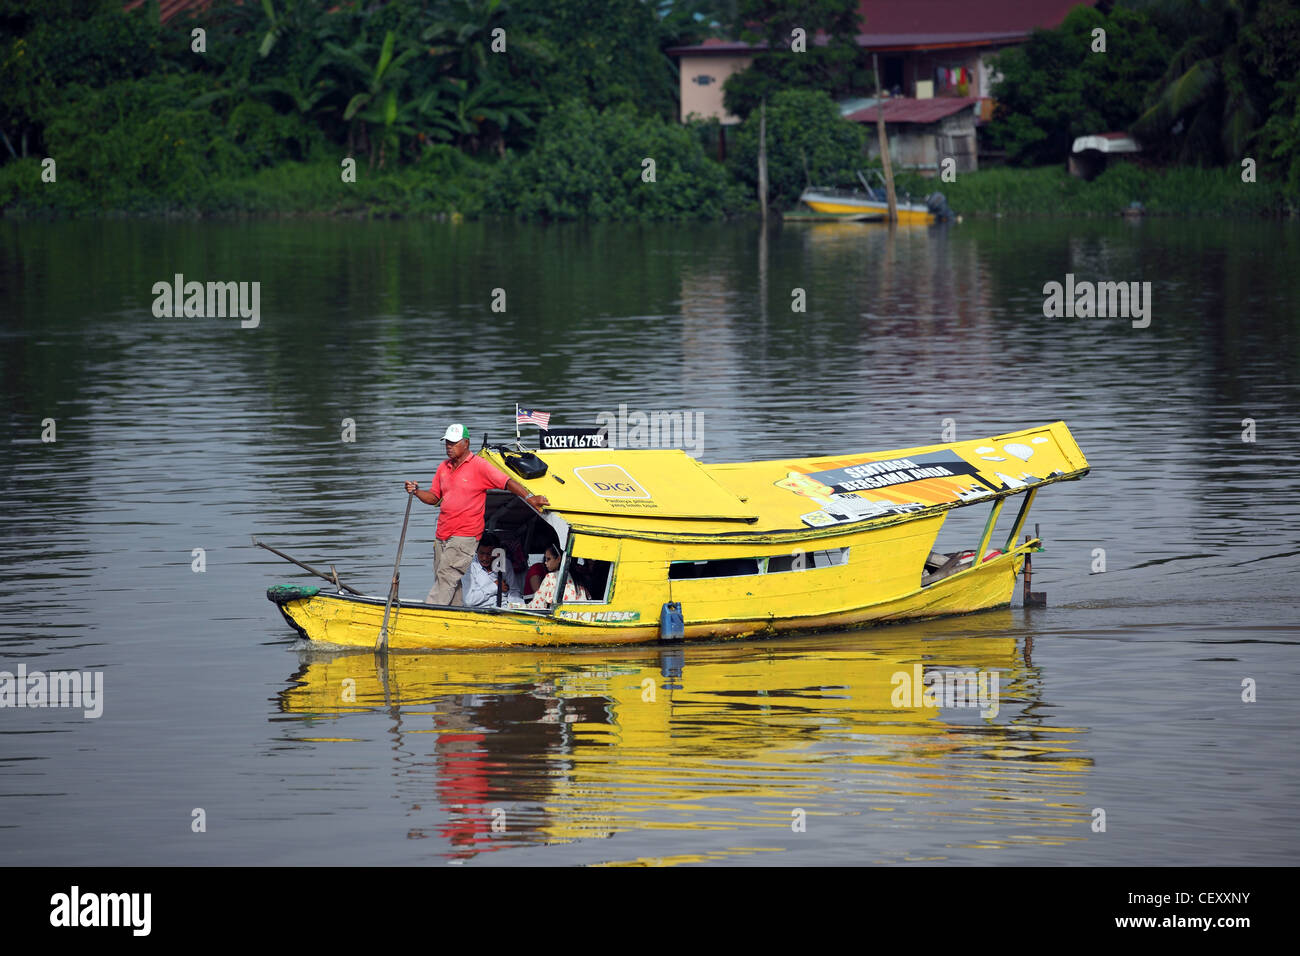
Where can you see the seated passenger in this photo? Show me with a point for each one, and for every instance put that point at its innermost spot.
(533, 578)
(545, 596)
(479, 586)
(516, 556)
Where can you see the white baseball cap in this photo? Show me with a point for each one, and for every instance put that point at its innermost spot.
(455, 433)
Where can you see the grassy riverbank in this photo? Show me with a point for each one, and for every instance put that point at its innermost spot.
(447, 183)
(1051, 191)
(310, 188)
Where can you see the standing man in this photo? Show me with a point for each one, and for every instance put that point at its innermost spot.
(460, 485)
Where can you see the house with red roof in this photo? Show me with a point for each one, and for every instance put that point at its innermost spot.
(934, 59)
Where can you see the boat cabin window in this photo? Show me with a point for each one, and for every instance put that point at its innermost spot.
(803, 560)
(724, 568)
(597, 577)
(768, 564)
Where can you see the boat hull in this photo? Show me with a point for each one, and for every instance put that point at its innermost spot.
(908, 214)
(342, 620)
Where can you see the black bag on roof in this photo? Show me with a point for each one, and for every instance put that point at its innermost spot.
(526, 465)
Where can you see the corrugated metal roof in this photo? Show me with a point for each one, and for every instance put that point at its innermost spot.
(920, 17)
(170, 8)
(930, 41)
(889, 24)
(904, 109)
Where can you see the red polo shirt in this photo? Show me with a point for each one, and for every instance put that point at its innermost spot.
(462, 491)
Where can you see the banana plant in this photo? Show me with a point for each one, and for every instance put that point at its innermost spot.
(376, 105)
(426, 118)
(483, 113)
(464, 33)
(275, 28)
(463, 36)
(385, 78)
(306, 91)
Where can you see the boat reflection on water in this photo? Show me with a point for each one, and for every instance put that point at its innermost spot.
(508, 748)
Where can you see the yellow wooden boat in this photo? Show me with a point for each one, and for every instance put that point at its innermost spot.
(746, 549)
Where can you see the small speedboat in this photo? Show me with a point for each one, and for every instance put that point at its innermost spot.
(872, 201)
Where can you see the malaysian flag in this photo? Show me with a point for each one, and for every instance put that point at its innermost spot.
(524, 417)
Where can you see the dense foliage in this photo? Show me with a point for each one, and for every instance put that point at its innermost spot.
(1055, 88)
(1199, 82)
(808, 143)
(590, 164)
(830, 59)
(548, 108)
(137, 116)
(1235, 60)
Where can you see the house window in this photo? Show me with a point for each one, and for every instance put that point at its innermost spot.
(891, 73)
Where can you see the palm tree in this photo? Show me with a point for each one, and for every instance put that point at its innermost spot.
(1205, 107)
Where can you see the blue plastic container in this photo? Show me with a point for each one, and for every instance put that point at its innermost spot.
(671, 627)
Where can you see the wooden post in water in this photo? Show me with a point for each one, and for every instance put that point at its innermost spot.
(762, 160)
(884, 146)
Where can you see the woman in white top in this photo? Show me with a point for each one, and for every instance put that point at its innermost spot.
(545, 596)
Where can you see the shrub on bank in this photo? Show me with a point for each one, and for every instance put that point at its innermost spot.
(808, 143)
(592, 164)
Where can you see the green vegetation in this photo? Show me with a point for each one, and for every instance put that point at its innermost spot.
(1055, 88)
(1199, 82)
(1218, 85)
(808, 143)
(139, 120)
(838, 67)
(547, 109)
(1051, 191)
(589, 164)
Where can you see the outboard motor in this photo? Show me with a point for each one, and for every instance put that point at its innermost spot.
(937, 203)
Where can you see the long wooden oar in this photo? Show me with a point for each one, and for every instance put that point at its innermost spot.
(306, 567)
(381, 643)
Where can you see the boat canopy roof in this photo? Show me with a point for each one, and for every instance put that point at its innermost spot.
(658, 484)
(668, 493)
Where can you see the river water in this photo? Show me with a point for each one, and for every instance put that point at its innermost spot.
(223, 740)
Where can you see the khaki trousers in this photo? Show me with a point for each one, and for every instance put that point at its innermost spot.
(451, 559)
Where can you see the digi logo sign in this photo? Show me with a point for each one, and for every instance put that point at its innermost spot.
(611, 481)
